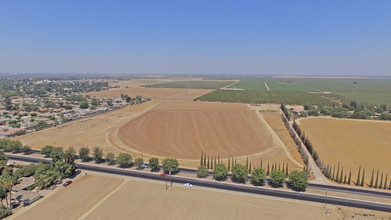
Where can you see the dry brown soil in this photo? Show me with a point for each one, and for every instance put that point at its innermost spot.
(153, 93)
(110, 197)
(89, 132)
(275, 121)
(184, 129)
(352, 143)
(74, 200)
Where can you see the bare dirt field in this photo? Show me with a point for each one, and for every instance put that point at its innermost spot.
(184, 129)
(172, 129)
(273, 118)
(351, 143)
(153, 93)
(73, 201)
(97, 196)
(89, 132)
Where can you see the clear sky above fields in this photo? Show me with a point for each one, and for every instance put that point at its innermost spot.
(342, 37)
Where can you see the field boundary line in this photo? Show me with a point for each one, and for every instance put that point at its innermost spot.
(236, 81)
(89, 211)
(267, 87)
(277, 139)
(123, 148)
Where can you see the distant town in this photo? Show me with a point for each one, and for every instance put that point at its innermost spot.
(33, 104)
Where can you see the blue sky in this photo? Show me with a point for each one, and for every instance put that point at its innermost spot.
(342, 37)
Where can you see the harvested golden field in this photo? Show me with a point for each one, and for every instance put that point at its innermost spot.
(88, 132)
(146, 199)
(153, 93)
(184, 129)
(273, 118)
(73, 201)
(351, 143)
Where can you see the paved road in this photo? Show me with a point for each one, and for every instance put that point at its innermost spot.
(222, 185)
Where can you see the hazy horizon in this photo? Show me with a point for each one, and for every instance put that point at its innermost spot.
(336, 38)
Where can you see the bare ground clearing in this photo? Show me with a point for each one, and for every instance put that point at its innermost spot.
(89, 132)
(135, 198)
(73, 201)
(153, 93)
(351, 143)
(275, 121)
(184, 129)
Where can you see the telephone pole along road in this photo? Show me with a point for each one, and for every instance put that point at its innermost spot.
(222, 185)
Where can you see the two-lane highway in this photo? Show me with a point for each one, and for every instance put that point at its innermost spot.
(222, 185)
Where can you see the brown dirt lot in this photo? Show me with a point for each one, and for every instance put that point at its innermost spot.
(89, 132)
(103, 196)
(184, 129)
(74, 200)
(90, 198)
(351, 143)
(153, 93)
(275, 121)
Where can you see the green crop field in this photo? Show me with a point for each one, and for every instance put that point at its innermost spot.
(253, 96)
(192, 84)
(256, 85)
(374, 91)
(289, 87)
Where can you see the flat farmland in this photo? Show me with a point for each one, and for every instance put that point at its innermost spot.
(184, 129)
(153, 93)
(351, 143)
(88, 132)
(204, 84)
(73, 201)
(273, 118)
(133, 198)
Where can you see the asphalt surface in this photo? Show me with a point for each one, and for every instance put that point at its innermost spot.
(222, 185)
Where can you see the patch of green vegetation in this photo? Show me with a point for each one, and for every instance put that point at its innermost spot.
(377, 98)
(192, 84)
(288, 87)
(253, 96)
(374, 91)
(254, 85)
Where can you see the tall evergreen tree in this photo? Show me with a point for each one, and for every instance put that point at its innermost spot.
(219, 158)
(358, 176)
(340, 179)
(247, 163)
(205, 160)
(232, 163)
(377, 178)
(279, 168)
(215, 162)
(371, 183)
(328, 171)
(249, 168)
(363, 178)
(350, 177)
(333, 172)
(229, 164)
(268, 170)
(381, 181)
(286, 170)
(202, 157)
(207, 166)
(235, 161)
(337, 177)
(389, 186)
(385, 182)
(261, 164)
(211, 162)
